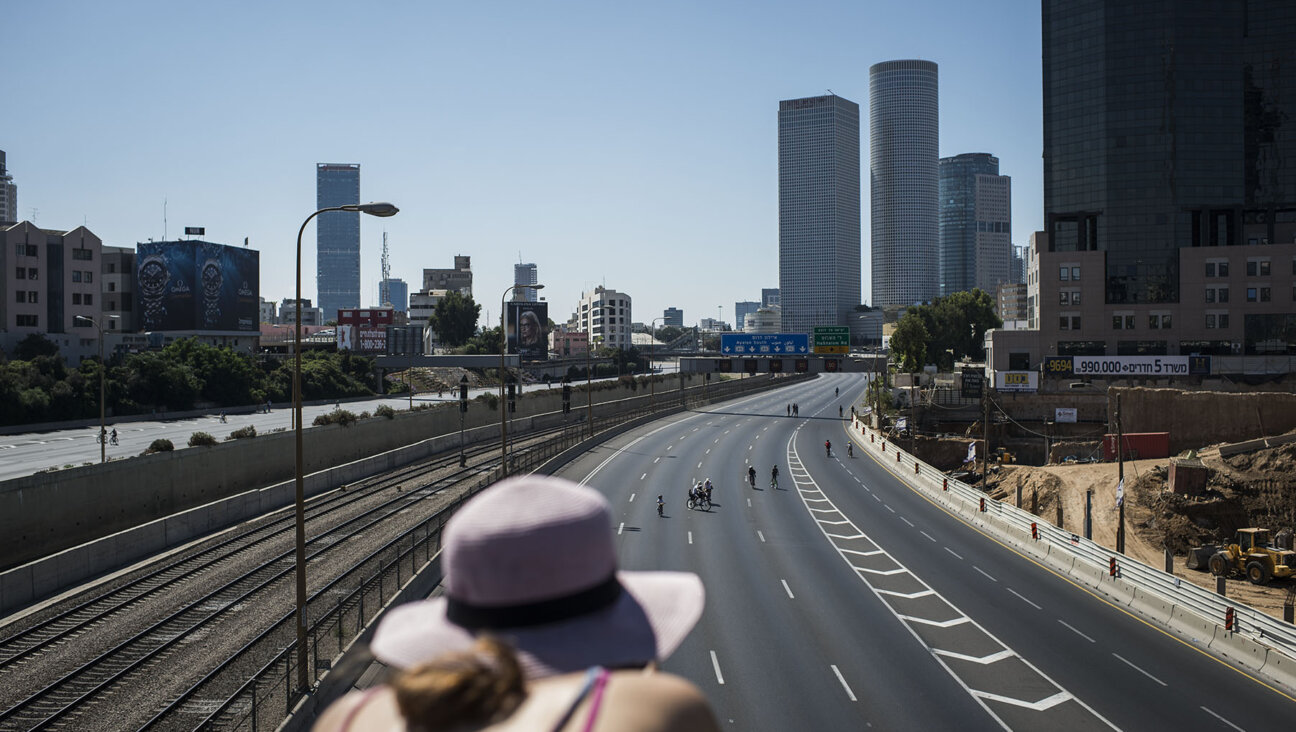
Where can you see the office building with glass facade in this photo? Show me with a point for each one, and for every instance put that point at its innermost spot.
(1170, 157)
(337, 238)
(819, 211)
(975, 224)
(525, 274)
(903, 152)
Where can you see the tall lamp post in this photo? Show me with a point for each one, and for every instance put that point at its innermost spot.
(652, 353)
(103, 441)
(373, 209)
(503, 404)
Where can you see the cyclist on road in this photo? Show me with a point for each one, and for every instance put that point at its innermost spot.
(850, 449)
(661, 504)
(706, 489)
(774, 477)
(113, 438)
(751, 476)
(828, 447)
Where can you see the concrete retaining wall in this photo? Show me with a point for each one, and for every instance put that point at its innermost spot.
(1233, 417)
(48, 512)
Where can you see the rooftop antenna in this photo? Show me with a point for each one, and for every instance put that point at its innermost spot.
(384, 287)
(34, 211)
(164, 223)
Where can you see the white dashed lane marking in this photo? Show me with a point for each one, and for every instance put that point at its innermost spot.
(1225, 721)
(787, 589)
(632, 497)
(1136, 668)
(956, 554)
(1073, 630)
(1023, 599)
(715, 662)
(645, 475)
(982, 571)
(845, 685)
(762, 536)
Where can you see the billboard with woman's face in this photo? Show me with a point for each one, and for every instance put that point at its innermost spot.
(528, 332)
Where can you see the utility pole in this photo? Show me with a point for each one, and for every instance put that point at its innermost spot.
(1120, 486)
(985, 439)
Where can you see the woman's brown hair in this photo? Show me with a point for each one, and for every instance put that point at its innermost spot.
(480, 686)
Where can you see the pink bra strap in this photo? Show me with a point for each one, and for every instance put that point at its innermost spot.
(599, 685)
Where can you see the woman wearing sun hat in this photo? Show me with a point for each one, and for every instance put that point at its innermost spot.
(537, 628)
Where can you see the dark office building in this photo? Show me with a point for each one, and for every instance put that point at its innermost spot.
(1167, 125)
(337, 238)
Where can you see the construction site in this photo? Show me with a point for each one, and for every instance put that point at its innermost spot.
(1198, 467)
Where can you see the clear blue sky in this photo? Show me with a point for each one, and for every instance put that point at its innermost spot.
(618, 143)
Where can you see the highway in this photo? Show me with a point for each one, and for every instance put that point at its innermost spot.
(845, 600)
(30, 452)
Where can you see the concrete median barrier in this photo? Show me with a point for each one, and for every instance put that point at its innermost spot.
(1239, 648)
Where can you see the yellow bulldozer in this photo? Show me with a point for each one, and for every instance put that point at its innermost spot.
(1251, 553)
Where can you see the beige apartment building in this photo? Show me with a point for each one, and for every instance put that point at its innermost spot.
(1237, 304)
(50, 278)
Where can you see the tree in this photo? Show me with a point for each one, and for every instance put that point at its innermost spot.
(33, 345)
(909, 341)
(668, 333)
(485, 342)
(455, 318)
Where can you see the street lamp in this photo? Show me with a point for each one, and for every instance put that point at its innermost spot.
(373, 209)
(103, 438)
(503, 405)
(652, 353)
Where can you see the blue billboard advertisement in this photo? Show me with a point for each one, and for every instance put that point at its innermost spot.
(196, 285)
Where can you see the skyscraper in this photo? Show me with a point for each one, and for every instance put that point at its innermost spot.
(337, 238)
(525, 274)
(975, 224)
(819, 216)
(1169, 180)
(8, 194)
(903, 149)
(1166, 125)
(397, 294)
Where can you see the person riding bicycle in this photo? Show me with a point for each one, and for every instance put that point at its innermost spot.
(113, 439)
(774, 477)
(828, 447)
(660, 505)
(707, 489)
(850, 449)
(751, 476)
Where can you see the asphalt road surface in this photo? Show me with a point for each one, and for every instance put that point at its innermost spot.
(844, 600)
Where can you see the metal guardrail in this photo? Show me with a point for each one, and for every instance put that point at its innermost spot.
(1073, 553)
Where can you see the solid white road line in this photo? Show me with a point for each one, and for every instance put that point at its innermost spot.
(716, 663)
(845, 685)
(787, 589)
(1136, 668)
(1071, 628)
(762, 536)
(632, 497)
(982, 571)
(1225, 721)
(1023, 598)
(951, 551)
(620, 528)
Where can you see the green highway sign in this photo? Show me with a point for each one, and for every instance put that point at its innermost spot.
(831, 339)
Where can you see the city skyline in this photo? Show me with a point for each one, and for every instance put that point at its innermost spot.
(672, 208)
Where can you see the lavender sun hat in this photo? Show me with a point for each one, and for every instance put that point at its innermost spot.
(531, 560)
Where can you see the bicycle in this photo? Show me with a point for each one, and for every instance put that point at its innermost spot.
(774, 483)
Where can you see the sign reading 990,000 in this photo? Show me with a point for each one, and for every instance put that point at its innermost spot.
(1140, 365)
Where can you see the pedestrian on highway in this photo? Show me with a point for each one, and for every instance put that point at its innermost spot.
(537, 628)
(796, 409)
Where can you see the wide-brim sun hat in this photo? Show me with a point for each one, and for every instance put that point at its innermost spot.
(532, 561)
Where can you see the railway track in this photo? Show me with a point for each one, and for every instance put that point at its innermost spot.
(333, 520)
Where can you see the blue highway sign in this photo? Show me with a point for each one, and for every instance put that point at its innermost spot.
(764, 344)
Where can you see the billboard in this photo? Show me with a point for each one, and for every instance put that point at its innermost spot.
(1121, 366)
(527, 327)
(197, 285)
(1016, 381)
